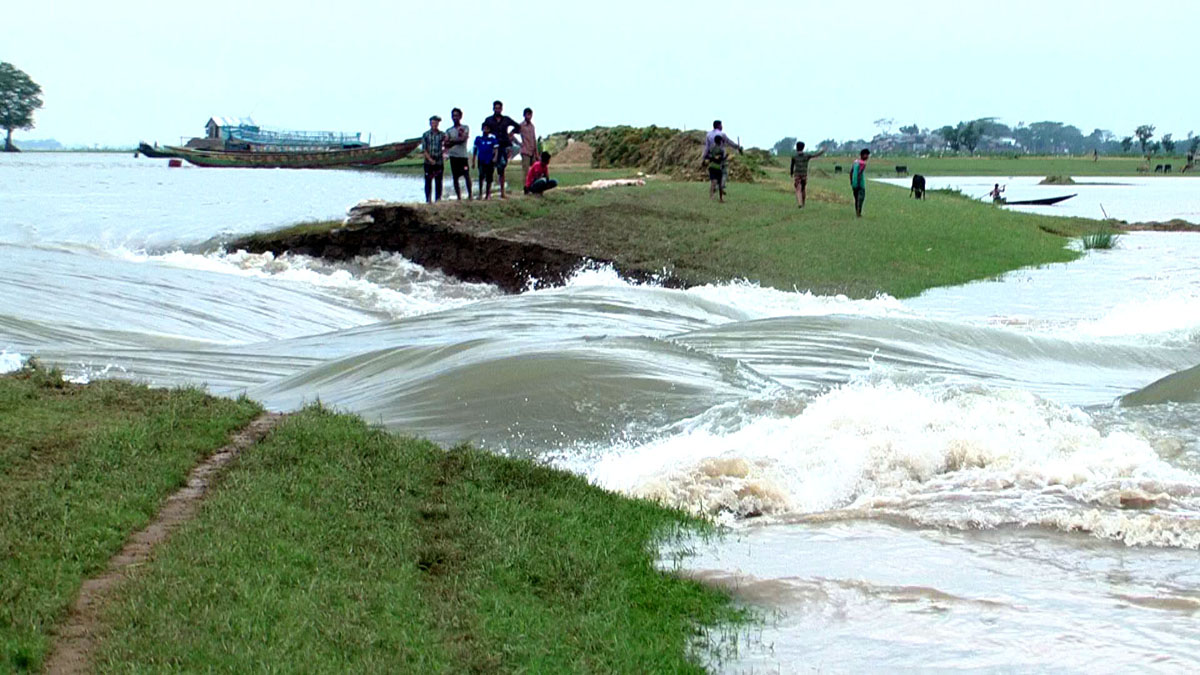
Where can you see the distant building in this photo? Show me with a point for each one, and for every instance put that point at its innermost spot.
(222, 127)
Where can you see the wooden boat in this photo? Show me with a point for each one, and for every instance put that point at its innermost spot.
(1045, 201)
(148, 150)
(316, 159)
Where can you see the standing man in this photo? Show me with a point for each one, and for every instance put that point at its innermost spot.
(528, 143)
(718, 131)
(799, 171)
(858, 180)
(505, 128)
(716, 158)
(485, 158)
(456, 149)
(432, 147)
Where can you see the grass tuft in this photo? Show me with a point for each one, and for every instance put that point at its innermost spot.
(1100, 239)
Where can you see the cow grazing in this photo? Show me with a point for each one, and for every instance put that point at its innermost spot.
(837, 168)
(1158, 168)
(917, 191)
(901, 170)
(1166, 168)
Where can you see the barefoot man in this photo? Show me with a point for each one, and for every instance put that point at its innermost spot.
(800, 171)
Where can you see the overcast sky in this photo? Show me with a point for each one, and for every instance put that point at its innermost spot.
(118, 71)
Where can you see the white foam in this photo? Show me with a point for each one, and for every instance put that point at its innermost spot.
(1174, 316)
(752, 300)
(10, 362)
(932, 454)
(385, 282)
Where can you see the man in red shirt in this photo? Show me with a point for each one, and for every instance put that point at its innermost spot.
(538, 179)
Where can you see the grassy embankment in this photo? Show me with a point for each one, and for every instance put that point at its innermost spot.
(900, 246)
(81, 468)
(329, 546)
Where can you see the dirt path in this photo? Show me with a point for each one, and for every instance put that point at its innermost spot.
(75, 639)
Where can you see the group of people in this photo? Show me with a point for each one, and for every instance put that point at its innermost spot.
(492, 149)
(716, 156)
(489, 155)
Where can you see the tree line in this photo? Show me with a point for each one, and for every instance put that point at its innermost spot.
(988, 135)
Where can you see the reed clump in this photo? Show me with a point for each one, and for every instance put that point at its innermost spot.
(1100, 240)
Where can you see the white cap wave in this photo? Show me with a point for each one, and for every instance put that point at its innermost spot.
(929, 454)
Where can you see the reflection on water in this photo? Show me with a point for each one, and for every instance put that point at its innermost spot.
(943, 482)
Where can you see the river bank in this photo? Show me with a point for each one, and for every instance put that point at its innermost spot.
(673, 232)
(327, 542)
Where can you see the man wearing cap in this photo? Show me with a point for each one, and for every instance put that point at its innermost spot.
(432, 149)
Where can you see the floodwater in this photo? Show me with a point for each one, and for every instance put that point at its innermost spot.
(949, 482)
(1132, 199)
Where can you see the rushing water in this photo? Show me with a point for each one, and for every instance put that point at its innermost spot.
(946, 482)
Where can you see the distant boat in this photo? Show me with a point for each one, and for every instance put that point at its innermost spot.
(1045, 201)
(153, 151)
(312, 159)
(240, 142)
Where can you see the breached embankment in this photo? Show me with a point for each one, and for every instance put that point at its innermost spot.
(511, 263)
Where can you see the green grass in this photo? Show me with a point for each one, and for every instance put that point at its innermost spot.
(80, 469)
(901, 246)
(335, 547)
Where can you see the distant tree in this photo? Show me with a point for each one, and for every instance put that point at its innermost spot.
(1193, 143)
(950, 134)
(969, 134)
(1126, 143)
(1144, 133)
(1154, 147)
(785, 147)
(827, 144)
(911, 129)
(19, 97)
(885, 125)
(1168, 144)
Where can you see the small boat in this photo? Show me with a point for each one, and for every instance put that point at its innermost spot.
(1045, 201)
(317, 159)
(154, 151)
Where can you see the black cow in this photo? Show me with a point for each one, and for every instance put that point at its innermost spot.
(837, 168)
(1158, 168)
(917, 191)
(901, 170)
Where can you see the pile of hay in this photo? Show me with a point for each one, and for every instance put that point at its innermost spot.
(575, 152)
(653, 149)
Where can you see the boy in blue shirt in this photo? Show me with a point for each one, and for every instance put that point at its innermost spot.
(483, 156)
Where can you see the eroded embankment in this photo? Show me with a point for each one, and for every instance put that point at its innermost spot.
(509, 263)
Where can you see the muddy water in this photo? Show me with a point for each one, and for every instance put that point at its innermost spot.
(946, 482)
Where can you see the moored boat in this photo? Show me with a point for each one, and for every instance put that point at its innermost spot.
(316, 159)
(154, 151)
(1045, 201)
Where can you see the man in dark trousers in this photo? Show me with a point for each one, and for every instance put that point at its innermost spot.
(505, 129)
(433, 144)
(457, 137)
(858, 180)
